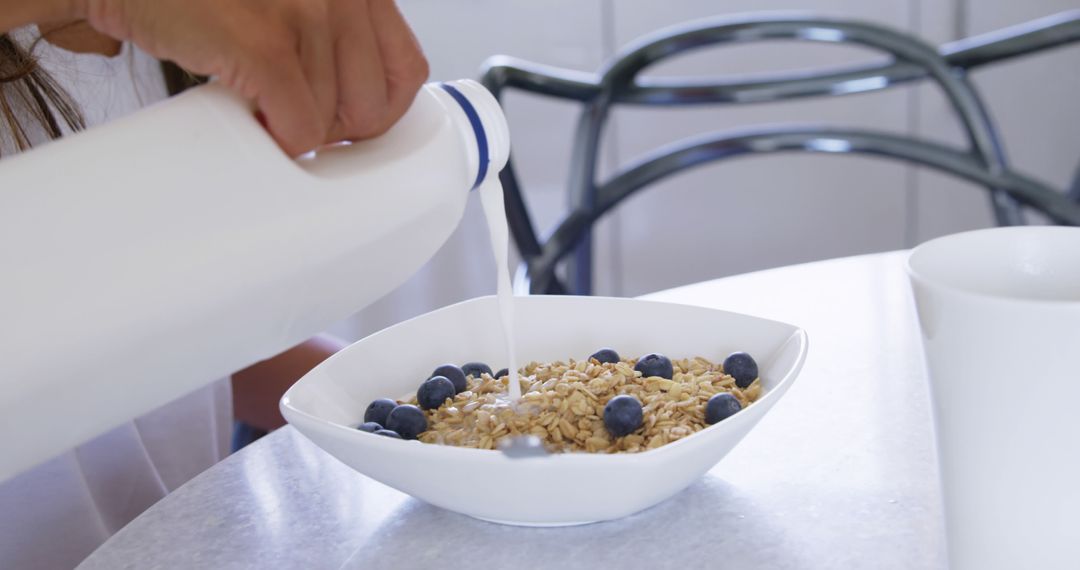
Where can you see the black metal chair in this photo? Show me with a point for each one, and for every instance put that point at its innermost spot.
(983, 162)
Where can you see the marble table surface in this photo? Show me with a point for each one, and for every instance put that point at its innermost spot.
(840, 474)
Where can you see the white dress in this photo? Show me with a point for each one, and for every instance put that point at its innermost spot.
(56, 514)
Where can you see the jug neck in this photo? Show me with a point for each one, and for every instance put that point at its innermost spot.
(485, 119)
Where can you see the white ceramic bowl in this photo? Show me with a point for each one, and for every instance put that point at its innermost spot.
(563, 489)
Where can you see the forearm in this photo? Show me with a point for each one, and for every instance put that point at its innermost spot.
(18, 13)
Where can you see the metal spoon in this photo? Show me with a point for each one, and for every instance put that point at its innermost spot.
(522, 447)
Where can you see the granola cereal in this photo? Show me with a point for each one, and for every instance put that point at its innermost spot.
(563, 404)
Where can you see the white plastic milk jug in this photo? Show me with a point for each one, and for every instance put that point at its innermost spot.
(151, 255)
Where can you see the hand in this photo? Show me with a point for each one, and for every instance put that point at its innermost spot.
(318, 71)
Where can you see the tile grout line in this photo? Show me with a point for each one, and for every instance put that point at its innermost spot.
(960, 19)
(914, 109)
(611, 156)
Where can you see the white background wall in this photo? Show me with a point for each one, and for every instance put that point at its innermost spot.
(750, 213)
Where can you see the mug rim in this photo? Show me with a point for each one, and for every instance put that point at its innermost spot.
(926, 280)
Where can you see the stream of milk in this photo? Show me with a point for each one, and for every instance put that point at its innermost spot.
(491, 196)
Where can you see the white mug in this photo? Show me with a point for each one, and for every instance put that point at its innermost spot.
(999, 311)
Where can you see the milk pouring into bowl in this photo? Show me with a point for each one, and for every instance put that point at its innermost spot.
(491, 194)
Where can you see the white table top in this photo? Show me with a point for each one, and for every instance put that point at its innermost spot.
(840, 474)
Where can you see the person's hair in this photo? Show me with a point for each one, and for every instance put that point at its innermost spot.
(27, 89)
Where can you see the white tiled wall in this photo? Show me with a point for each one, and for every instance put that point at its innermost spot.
(1033, 100)
(747, 213)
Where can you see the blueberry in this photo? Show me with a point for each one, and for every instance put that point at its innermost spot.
(370, 427)
(721, 406)
(378, 410)
(655, 365)
(622, 415)
(606, 356)
(407, 420)
(502, 372)
(475, 369)
(388, 433)
(454, 374)
(742, 368)
(434, 391)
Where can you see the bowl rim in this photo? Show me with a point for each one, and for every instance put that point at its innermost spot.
(770, 397)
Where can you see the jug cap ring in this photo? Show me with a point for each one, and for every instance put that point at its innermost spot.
(478, 130)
